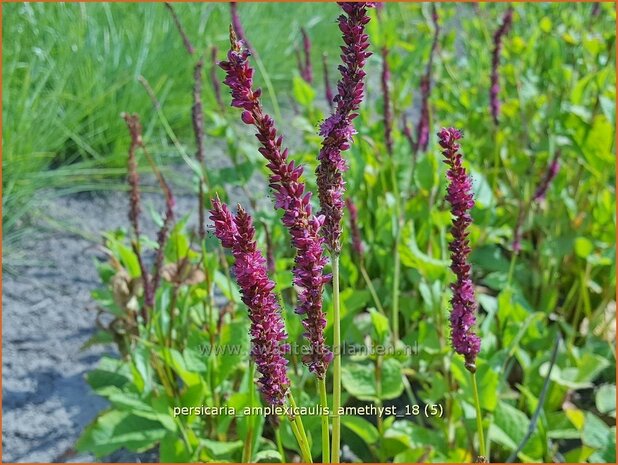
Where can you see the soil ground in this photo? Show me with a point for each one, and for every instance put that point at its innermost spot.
(47, 316)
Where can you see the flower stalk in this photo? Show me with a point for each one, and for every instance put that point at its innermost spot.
(539, 195)
(337, 131)
(386, 98)
(304, 62)
(303, 226)
(216, 87)
(463, 312)
(135, 131)
(197, 117)
(422, 128)
(268, 334)
(237, 25)
(494, 90)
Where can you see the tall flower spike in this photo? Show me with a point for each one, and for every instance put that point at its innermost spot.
(550, 174)
(422, 128)
(213, 77)
(539, 195)
(240, 32)
(459, 195)
(357, 243)
(163, 234)
(494, 90)
(337, 130)
(290, 195)
(388, 111)
(306, 70)
(135, 130)
(268, 335)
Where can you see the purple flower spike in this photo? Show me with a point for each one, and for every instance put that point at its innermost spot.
(459, 195)
(304, 66)
(494, 90)
(337, 130)
(213, 77)
(357, 243)
(268, 335)
(388, 111)
(240, 32)
(290, 195)
(422, 128)
(550, 174)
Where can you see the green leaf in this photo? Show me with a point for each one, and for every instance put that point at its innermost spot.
(583, 247)
(483, 196)
(358, 425)
(114, 429)
(359, 380)
(221, 449)
(576, 417)
(100, 337)
(131, 402)
(487, 382)
(606, 454)
(509, 426)
(129, 260)
(302, 91)
(267, 456)
(416, 455)
(606, 399)
(405, 435)
(234, 338)
(227, 287)
(412, 257)
(110, 372)
(173, 450)
(380, 326)
(596, 433)
(143, 369)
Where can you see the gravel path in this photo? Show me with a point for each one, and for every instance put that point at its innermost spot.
(47, 316)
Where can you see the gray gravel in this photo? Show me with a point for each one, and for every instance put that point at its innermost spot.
(47, 316)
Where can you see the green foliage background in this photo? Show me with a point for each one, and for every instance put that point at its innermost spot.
(70, 69)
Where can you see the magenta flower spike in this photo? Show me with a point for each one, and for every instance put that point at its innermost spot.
(213, 76)
(539, 195)
(550, 174)
(357, 243)
(337, 130)
(306, 70)
(135, 130)
(268, 335)
(459, 194)
(237, 25)
(386, 97)
(494, 90)
(422, 128)
(290, 195)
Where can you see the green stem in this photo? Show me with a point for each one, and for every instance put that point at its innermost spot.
(397, 272)
(372, 290)
(337, 362)
(299, 432)
(325, 435)
(479, 418)
(511, 269)
(299, 439)
(247, 451)
(280, 444)
(379, 419)
(396, 259)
